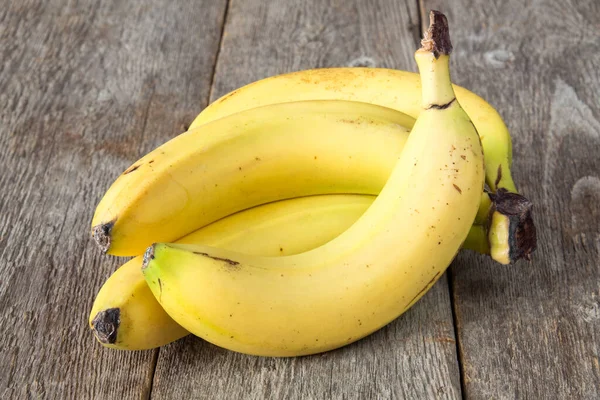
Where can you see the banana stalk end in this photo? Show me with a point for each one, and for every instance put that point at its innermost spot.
(515, 213)
(101, 234)
(437, 38)
(148, 256)
(106, 325)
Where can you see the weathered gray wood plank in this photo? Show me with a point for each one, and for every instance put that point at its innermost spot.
(86, 87)
(414, 357)
(262, 39)
(533, 330)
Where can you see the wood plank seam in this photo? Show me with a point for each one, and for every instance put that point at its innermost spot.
(147, 113)
(147, 394)
(423, 25)
(152, 370)
(411, 358)
(214, 71)
(418, 32)
(88, 86)
(459, 354)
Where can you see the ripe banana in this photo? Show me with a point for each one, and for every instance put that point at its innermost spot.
(364, 278)
(253, 157)
(125, 314)
(511, 231)
(338, 147)
(400, 90)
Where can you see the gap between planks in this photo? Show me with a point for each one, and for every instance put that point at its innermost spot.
(459, 355)
(214, 70)
(423, 24)
(147, 394)
(420, 27)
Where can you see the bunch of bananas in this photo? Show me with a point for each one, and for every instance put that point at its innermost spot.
(297, 214)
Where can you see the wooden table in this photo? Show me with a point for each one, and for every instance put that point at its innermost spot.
(87, 87)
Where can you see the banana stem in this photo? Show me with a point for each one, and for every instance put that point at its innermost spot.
(512, 234)
(437, 38)
(435, 48)
(503, 178)
(483, 214)
(505, 220)
(507, 232)
(477, 240)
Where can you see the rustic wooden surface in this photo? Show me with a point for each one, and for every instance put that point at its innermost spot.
(88, 87)
(415, 357)
(533, 330)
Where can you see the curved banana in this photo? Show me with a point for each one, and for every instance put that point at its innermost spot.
(361, 280)
(125, 314)
(257, 156)
(511, 230)
(400, 90)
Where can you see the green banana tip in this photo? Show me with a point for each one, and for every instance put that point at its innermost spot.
(522, 234)
(437, 38)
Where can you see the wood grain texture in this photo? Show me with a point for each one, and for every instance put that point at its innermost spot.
(86, 88)
(265, 38)
(412, 358)
(532, 331)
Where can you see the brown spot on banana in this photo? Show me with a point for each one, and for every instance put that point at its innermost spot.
(441, 106)
(457, 188)
(228, 96)
(427, 286)
(131, 169)
(498, 176)
(350, 121)
(225, 260)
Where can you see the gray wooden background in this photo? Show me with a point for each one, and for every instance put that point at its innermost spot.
(87, 87)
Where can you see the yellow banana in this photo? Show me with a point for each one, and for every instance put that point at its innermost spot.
(400, 90)
(361, 280)
(125, 314)
(145, 203)
(257, 156)
(512, 231)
